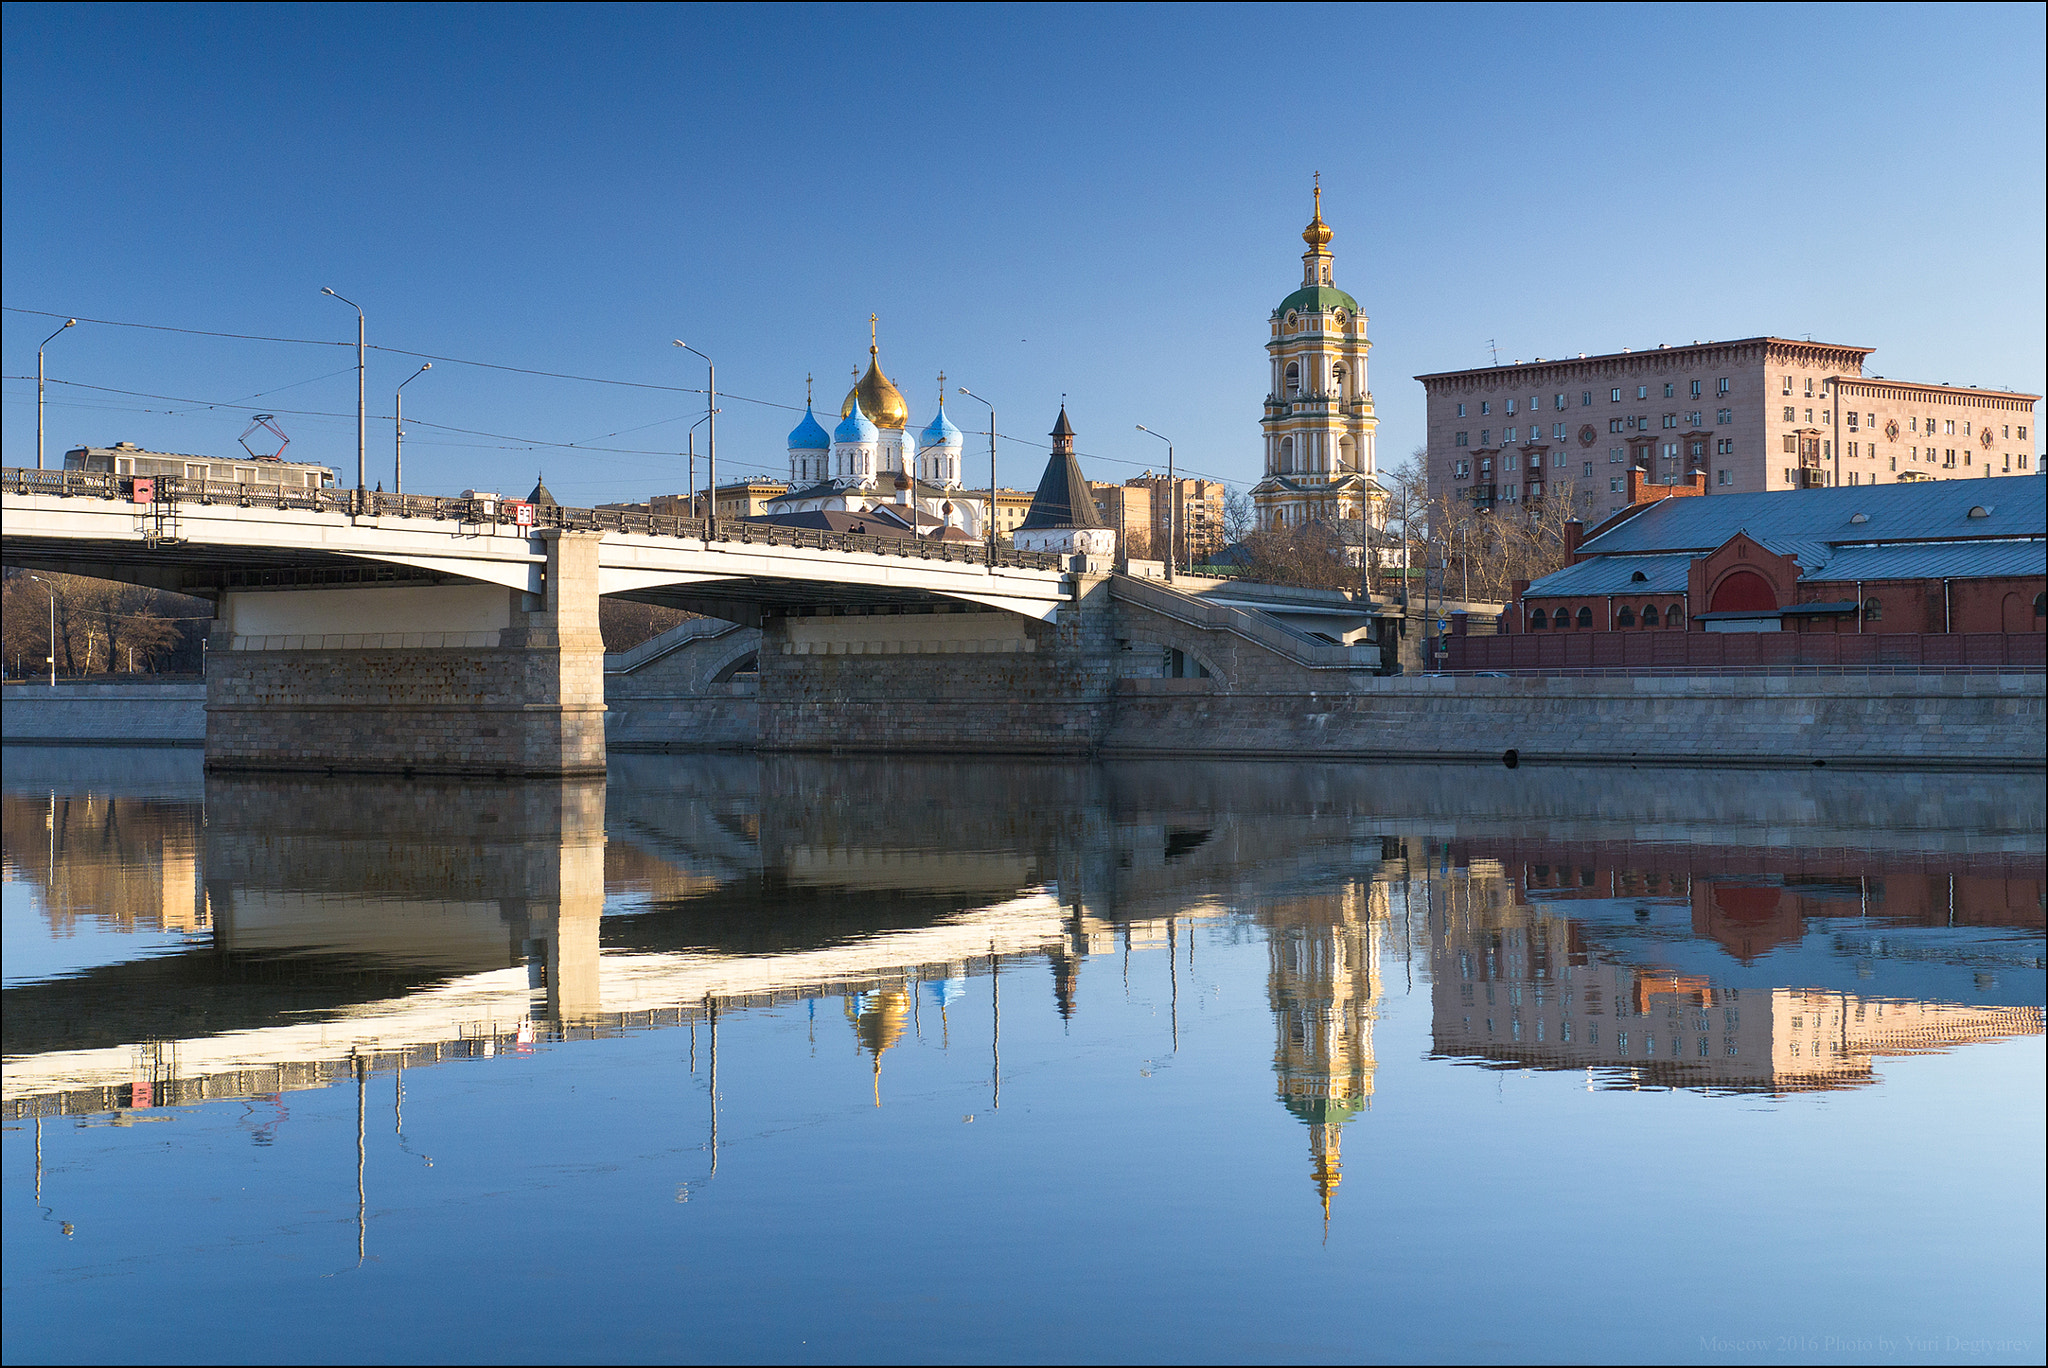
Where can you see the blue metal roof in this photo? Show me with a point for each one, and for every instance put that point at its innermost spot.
(1936, 560)
(855, 427)
(809, 435)
(940, 431)
(2017, 507)
(1615, 575)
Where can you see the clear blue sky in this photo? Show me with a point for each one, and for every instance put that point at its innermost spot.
(1097, 202)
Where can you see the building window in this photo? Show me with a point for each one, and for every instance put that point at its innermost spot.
(1485, 407)
(1809, 417)
(2019, 434)
(1948, 429)
(1461, 410)
(1508, 436)
(1617, 396)
(1589, 470)
(1626, 617)
(1650, 609)
(1485, 466)
(1642, 391)
(1725, 446)
(1511, 408)
(1507, 462)
(1585, 617)
(1670, 392)
(1614, 485)
(1463, 469)
(1461, 439)
(1585, 398)
(1486, 437)
(1696, 389)
(1721, 385)
(1558, 403)
(1721, 477)
(1788, 385)
(1852, 420)
(1614, 424)
(1873, 610)
(1671, 420)
(1809, 387)
(1538, 621)
(1791, 414)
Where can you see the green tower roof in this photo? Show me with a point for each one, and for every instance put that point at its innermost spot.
(1317, 299)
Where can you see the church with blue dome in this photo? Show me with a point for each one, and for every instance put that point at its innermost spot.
(871, 460)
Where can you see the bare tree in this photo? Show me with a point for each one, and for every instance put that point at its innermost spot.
(624, 624)
(1240, 518)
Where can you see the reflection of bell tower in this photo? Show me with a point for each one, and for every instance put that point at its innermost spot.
(878, 1018)
(1324, 987)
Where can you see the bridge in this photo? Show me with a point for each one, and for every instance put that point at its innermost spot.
(414, 634)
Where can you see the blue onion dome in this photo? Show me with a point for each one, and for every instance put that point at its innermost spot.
(808, 435)
(855, 427)
(940, 432)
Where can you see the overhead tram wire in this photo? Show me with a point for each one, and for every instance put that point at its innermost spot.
(515, 370)
(524, 443)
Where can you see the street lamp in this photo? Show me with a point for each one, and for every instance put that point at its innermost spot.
(690, 454)
(710, 437)
(991, 519)
(1172, 494)
(53, 617)
(68, 323)
(362, 401)
(398, 430)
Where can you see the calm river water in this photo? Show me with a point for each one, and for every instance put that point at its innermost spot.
(788, 1059)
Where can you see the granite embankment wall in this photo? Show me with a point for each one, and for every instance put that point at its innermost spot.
(1986, 721)
(149, 714)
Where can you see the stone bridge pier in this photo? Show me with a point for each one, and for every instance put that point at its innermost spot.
(451, 678)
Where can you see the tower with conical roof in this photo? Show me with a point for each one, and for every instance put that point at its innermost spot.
(1063, 517)
(1319, 421)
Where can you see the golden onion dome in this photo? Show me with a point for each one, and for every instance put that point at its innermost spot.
(879, 398)
(1317, 234)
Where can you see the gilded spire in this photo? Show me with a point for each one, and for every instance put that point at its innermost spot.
(1317, 234)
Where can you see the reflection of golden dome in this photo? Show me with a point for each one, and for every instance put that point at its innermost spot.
(1317, 234)
(880, 400)
(879, 1018)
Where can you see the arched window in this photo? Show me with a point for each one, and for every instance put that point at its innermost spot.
(1744, 591)
(1626, 617)
(1649, 615)
(1873, 610)
(1294, 377)
(1337, 380)
(2041, 605)
(1585, 617)
(1674, 616)
(1537, 621)
(1287, 452)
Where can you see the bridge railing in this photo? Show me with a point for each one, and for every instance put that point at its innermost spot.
(495, 513)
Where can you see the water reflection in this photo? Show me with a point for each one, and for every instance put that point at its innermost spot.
(1744, 937)
(1731, 969)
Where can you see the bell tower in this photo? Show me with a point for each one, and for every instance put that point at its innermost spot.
(1319, 423)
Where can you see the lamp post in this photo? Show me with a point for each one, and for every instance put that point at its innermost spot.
(690, 454)
(68, 323)
(991, 518)
(398, 430)
(710, 438)
(1172, 494)
(52, 589)
(362, 400)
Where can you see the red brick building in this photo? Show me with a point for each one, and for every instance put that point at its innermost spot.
(1916, 573)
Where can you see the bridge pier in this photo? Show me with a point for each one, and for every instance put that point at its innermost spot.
(452, 678)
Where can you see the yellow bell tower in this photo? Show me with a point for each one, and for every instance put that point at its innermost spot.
(1319, 422)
